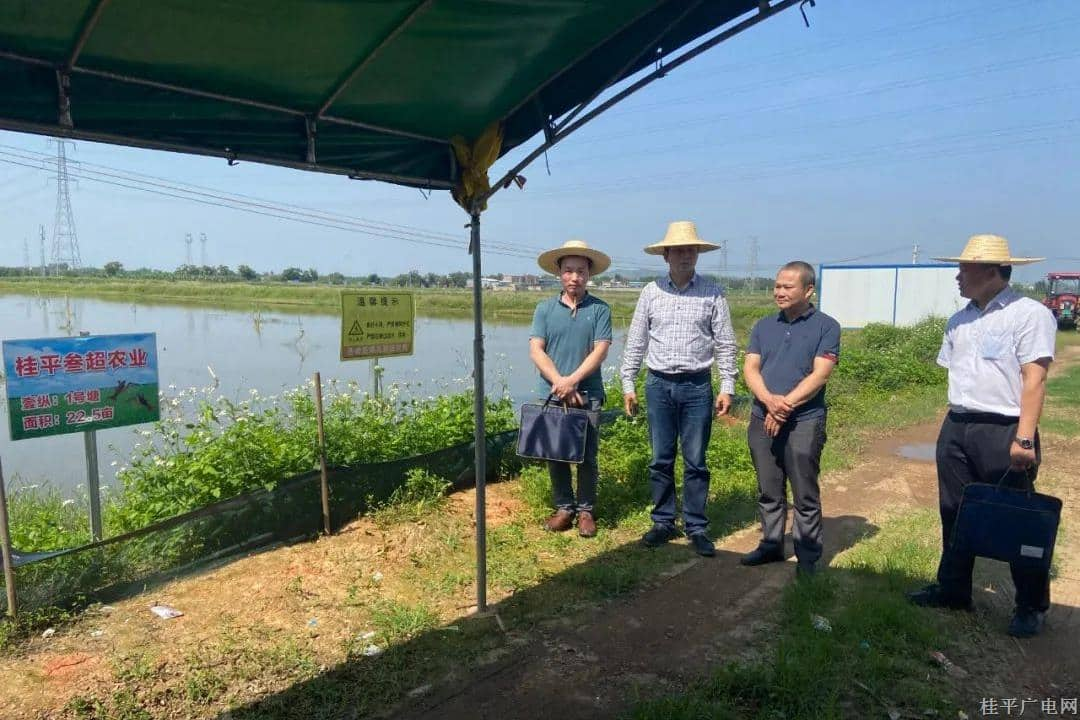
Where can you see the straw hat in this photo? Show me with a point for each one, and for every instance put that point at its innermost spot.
(989, 250)
(549, 260)
(680, 234)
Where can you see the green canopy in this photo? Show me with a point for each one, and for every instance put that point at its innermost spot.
(372, 89)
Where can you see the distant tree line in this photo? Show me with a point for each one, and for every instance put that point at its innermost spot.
(411, 279)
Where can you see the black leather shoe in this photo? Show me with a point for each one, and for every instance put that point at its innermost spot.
(703, 546)
(658, 535)
(1026, 622)
(933, 596)
(761, 555)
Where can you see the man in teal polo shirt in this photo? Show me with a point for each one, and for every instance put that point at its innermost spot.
(569, 340)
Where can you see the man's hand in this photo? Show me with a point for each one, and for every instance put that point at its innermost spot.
(779, 406)
(630, 403)
(773, 425)
(575, 399)
(1019, 458)
(563, 387)
(723, 404)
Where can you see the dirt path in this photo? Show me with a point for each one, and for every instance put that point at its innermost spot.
(709, 611)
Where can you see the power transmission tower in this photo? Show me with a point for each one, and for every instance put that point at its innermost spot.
(187, 253)
(723, 257)
(753, 262)
(26, 255)
(65, 240)
(202, 250)
(915, 254)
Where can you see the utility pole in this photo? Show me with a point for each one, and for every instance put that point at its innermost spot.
(202, 250)
(915, 254)
(187, 253)
(753, 262)
(723, 257)
(26, 256)
(42, 229)
(65, 239)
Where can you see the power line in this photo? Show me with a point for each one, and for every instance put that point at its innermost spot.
(905, 84)
(938, 147)
(260, 206)
(870, 36)
(756, 133)
(269, 209)
(818, 73)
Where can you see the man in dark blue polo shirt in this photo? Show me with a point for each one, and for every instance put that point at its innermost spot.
(570, 337)
(788, 361)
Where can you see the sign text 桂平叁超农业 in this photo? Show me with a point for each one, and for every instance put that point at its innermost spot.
(65, 385)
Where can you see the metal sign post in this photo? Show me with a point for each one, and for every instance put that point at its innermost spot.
(93, 483)
(376, 372)
(93, 478)
(5, 549)
(324, 485)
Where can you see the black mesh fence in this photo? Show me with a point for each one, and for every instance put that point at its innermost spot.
(291, 511)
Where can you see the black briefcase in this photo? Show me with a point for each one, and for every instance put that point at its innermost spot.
(1003, 523)
(551, 431)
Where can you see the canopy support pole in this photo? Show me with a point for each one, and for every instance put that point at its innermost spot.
(478, 411)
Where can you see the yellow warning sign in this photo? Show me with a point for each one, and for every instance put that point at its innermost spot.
(376, 323)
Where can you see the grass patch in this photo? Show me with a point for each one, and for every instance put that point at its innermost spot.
(874, 658)
(1063, 396)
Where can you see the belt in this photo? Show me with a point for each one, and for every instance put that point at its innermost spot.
(982, 417)
(680, 376)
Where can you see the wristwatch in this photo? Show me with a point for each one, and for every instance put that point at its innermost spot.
(1026, 443)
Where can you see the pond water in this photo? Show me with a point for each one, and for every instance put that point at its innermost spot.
(267, 351)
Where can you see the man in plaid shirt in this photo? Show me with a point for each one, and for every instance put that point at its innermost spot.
(681, 326)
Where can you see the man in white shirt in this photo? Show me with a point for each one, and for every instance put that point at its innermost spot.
(997, 350)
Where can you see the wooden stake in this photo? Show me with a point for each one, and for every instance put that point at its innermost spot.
(324, 484)
(5, 549)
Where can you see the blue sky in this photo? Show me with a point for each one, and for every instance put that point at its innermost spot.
(883, 125)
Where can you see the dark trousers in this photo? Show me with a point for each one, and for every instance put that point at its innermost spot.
(794, 456)
(562, 488)
(975, 448)
(680, 411)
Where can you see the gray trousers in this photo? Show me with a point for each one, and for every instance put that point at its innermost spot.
(792, 456)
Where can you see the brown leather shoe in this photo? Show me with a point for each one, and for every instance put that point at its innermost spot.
(586, 524)
(561, 521)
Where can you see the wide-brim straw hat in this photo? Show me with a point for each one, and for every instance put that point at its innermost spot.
(681, 234)
(989, 250)
(549, 261)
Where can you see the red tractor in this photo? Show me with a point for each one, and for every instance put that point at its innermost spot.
(1062, 296)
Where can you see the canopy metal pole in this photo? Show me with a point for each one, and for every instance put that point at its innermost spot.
(5, 550)
(478, 411)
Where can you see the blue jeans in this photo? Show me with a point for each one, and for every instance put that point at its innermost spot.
(562, 488)
(680, 411)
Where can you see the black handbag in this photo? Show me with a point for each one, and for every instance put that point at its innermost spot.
(1003, 523)
(552, 431)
